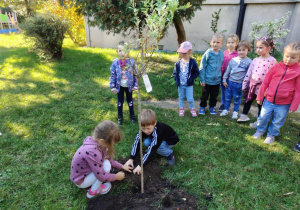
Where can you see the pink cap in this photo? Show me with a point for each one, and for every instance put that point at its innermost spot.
(185, 46)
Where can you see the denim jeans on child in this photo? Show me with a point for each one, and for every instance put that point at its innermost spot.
(279, 113)
(188, 91)
(223, 90)
(164, 149)
(234, 90)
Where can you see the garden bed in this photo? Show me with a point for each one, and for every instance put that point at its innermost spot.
(158, 194)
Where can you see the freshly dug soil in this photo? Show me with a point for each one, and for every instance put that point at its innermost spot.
(158, 193)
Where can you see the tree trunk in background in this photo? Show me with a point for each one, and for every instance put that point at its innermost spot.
(28, 9)
(179, 29)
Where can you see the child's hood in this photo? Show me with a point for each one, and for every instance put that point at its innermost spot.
(89, 141)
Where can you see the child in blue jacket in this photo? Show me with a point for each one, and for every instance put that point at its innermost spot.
(185, 72)
(123, 80)
(210, 74)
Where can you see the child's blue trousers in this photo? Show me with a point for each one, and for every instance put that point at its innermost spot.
(279, 113)
(164, 149)
(234, 90)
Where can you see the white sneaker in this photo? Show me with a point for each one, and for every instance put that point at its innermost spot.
(235, 115)
(243, 118)
(224, 113)
(269, 139)
(258, 134)
(253, 125)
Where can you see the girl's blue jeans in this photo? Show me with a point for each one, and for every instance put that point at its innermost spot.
(223, 90)
(188, 91)
(279, 113)
(164, 149)
(234, 90)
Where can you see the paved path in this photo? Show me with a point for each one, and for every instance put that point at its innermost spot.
(173, 104)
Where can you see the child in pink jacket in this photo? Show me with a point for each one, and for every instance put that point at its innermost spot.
(281, 88)
(232, 42)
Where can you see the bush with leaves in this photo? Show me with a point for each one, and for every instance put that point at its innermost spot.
(273, 29)
(48, 33)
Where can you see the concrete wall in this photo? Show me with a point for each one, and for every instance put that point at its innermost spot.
(199, 28)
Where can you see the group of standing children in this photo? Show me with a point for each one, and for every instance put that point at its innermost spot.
(276, 88)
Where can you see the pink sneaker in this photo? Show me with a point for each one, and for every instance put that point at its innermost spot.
(181, 112)
(103, 189)
(193, 111)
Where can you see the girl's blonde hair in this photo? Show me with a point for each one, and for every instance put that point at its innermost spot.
(234, 37)
(110, 133)
(295, 46)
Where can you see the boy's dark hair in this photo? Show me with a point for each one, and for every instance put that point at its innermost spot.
(148, 117)
(109, 132)
(245, 44)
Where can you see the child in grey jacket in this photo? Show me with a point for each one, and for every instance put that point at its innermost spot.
(234, 74)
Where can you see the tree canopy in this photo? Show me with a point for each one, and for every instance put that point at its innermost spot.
(116, 16)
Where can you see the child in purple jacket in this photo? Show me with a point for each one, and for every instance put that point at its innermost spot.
(123, 80)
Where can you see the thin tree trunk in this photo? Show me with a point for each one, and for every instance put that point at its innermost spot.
(28, 9)
(139, 119)
(181, 37)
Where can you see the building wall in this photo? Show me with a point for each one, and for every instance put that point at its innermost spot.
(199, 28)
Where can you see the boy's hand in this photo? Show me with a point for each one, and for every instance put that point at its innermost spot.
(225, 84)
(203, 84)
(120, 175)
(137, 170)
(114, 91)
(127, 167)
(291, 111)
(259, 102)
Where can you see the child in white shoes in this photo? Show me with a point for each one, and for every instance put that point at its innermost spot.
(235, 73)
(281, 89)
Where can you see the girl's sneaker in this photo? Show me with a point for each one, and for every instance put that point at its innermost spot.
(243, 118)
(193, 111)
(297, 147)
(181, 112)
(103, 189)
(258, 134)
(269, 140)
(224, 112)
(253, 125)
(235, 115)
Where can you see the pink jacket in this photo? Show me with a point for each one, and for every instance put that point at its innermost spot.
(227, 58)
(88, 158)
(282, 85)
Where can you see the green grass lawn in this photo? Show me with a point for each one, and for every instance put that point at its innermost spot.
(47, 109)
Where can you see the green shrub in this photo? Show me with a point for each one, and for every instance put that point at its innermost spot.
(48, 33)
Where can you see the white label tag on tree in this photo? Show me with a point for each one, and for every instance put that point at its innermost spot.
(147, 83)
